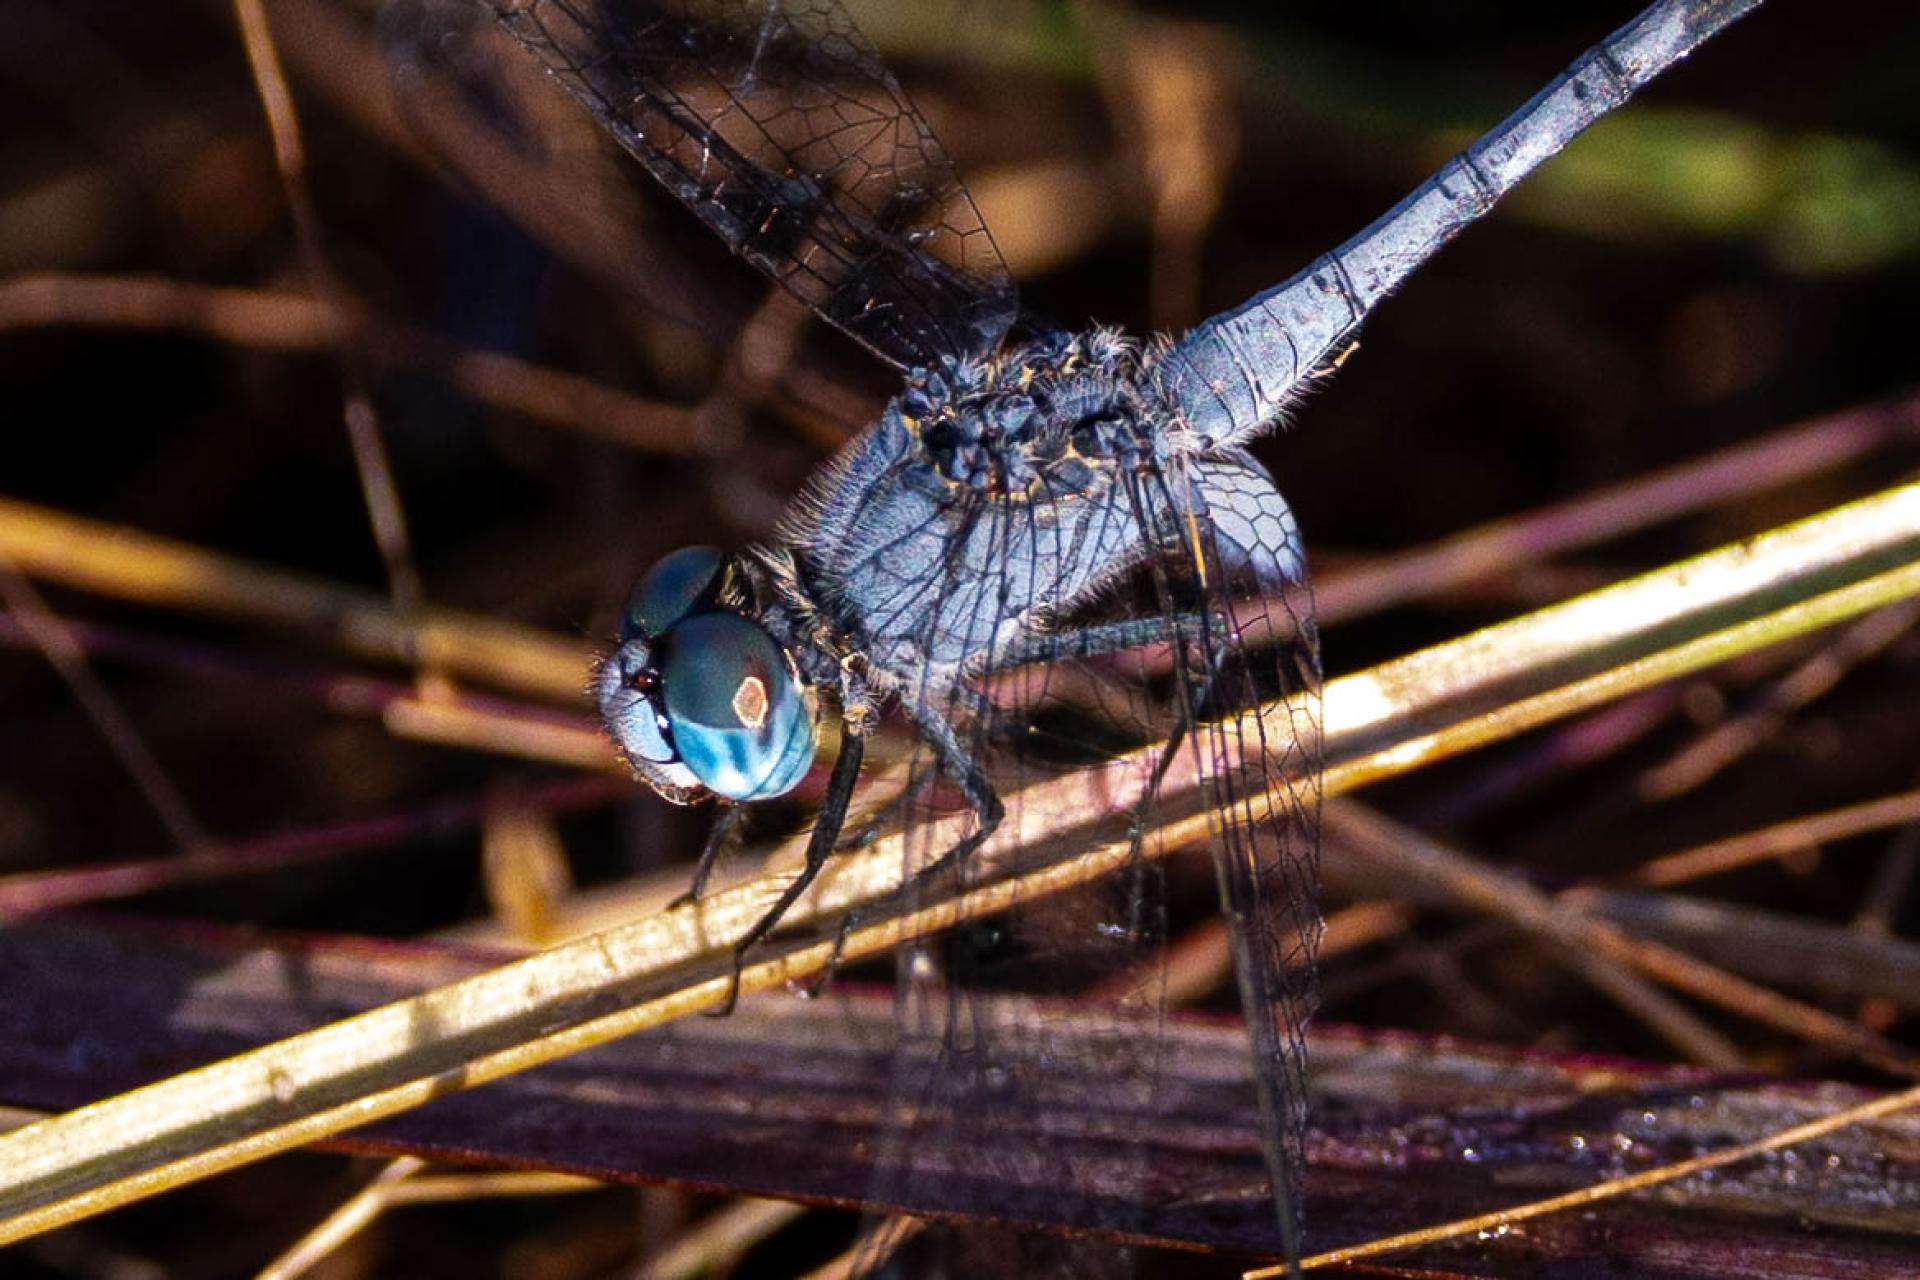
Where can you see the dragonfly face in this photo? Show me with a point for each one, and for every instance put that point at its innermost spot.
(699, 697)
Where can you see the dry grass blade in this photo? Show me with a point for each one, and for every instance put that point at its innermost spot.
(1602, 952)
(1378, 723)
(1505, 1219)
(402, 1183)
(781, 1101)
(271, 321)
(132, 565)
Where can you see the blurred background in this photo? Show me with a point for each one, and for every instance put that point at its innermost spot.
(1734, 255)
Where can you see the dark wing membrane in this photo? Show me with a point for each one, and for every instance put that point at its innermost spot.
(1257, 759)
(484, 113)
(996, 1116)
(780, 127)
(1167, 705)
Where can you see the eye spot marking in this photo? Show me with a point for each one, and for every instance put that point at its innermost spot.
(750, 702)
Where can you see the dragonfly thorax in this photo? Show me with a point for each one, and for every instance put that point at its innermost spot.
(990, 494)
(1045, 420)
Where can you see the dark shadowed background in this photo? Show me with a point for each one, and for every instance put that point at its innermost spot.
(1737, 252)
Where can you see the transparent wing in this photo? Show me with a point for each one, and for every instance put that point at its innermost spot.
(1149, 689)
(1257, 756)
(779, 126)
(483, 111)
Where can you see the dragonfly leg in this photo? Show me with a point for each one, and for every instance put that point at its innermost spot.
(826, 833)
(981, 708)
(1196, 697)
(1101, 638)
(1095, 641)
(965, 772)
(725, 834)
(880, 819)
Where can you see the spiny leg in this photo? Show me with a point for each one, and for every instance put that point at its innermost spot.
(725, 834)
(1196, 698)
(965, 772)
(1100, 639)
(826, 832)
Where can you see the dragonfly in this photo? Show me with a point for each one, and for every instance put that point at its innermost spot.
(1051, 545)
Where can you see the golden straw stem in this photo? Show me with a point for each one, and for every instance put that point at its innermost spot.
(1483, 687)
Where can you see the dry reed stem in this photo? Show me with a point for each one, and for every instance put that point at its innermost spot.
(1604, 954)
(348, 1073)
(385, 511)
(132, 565)
(1501, 1221)
(266, 320)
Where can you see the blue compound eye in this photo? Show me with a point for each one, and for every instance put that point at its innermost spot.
(739, 722)
(679, 584)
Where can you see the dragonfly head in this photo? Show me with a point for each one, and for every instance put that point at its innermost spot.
(699, 696)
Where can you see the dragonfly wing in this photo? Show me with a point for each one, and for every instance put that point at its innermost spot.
(483, 113)
(780, 127)
(1257, 753)
(1152, 689)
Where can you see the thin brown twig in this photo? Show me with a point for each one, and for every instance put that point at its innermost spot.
(347, 1219)
(1500, 1220)
(715, 1244)
(1791, 454)
(1891, 883)
(363, 424)
(1832, 962)
(28, 892)
(1603, 735)
(454, 722)
(1403, 854)
(1828, 962)
(1812, 679)
(69, 659)
(1596, 948)
(128, 564)
(272, 320)
(1777, 841)
(404, 1182)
